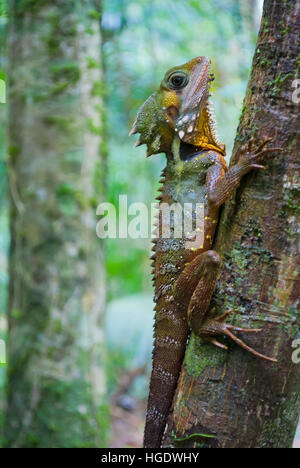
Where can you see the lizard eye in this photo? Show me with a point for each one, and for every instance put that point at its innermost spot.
(178, 80)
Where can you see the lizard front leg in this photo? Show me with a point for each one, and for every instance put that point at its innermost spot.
(220, 186)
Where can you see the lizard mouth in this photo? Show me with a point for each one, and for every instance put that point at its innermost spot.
(188, 152)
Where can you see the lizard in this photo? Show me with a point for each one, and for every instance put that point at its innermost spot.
(178, 120)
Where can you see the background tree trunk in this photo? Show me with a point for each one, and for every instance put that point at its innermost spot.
(243, 401)
(56, 379)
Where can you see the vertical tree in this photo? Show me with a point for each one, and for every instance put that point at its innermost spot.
(3, 218)
(56, 377)
(239, 400)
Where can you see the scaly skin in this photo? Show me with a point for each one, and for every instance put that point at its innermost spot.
(177, 120)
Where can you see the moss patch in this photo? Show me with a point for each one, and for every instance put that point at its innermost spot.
(200, 355)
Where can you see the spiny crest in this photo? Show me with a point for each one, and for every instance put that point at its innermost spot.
(213, 125)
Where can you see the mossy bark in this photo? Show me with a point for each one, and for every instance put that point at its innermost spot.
(56, 378)
(240, 400)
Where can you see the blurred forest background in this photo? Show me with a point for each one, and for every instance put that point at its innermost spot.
(140, 41)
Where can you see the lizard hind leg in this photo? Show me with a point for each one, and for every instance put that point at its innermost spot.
(196, 285)
(214, 327)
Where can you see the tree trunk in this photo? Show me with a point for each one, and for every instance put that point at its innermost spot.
(56, 379)
(240, 400)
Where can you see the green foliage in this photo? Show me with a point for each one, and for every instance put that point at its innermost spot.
(3, 10)
(118, 362)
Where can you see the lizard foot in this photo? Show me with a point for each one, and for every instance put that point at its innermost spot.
(250, 156)
(216, 326)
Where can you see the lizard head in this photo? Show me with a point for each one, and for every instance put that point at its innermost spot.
(180, 107)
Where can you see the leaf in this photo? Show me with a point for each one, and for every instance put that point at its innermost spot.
(2, 91)
(208, 436)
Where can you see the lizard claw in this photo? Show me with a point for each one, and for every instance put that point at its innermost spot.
(217, 343)
(251, 156)
(214, 327)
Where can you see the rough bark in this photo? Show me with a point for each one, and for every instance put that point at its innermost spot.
(240, 400)
(56, 379)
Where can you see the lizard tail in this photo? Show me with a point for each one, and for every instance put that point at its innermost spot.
(168, 354)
